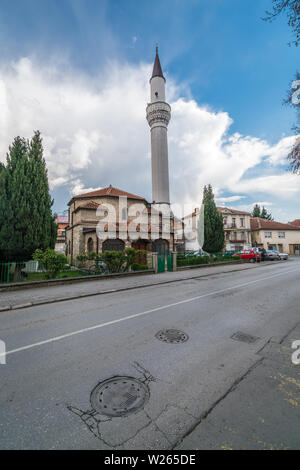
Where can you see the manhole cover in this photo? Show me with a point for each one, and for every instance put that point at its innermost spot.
(244, 337)
(119, 396)
(172, 336)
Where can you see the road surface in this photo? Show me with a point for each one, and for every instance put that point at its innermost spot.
(213, 391)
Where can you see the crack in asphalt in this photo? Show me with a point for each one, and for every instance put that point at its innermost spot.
(216, 403)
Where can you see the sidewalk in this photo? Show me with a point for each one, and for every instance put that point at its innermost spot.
(49, 294)
(261, 411)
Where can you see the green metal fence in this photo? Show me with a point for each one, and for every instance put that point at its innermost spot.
(192, 259)
(28, 271)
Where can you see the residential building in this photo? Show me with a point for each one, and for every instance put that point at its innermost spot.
(62, 223)
(295, 222)
(273, 235)
(237, 229)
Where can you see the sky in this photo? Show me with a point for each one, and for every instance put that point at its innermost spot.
(78, 70)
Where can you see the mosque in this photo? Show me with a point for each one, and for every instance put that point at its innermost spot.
(113, 219)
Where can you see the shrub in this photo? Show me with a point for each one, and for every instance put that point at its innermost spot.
(114, 260)
(50, 261)
(192, 261)
(139, 267)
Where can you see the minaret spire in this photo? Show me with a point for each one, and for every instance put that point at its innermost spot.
(157, 70)
(158, 117)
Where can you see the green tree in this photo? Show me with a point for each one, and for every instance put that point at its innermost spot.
(293, 100)
(266, 215)
(256, 211)
(26, 221)
(262, 213)
(291, 8)
(42, 232)
(213, 223)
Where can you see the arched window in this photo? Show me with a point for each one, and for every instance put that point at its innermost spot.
(160, 246)
(90, 245)
(113, 245)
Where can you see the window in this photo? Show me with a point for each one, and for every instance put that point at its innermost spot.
(233, 222)
(242, 222)
(268, 234)
(242, 235)
(281, 234)
(225, 220)
(90, 245)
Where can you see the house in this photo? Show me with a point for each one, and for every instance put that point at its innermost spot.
(273, 235)
(237, 229)
(113, 219)
(61, 222)
(295, 222)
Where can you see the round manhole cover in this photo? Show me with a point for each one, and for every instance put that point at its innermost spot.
(172, 336)
(119, 396)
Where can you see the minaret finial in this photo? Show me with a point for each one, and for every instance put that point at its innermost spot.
(157, 48)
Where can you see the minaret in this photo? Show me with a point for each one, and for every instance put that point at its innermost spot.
(158, 117)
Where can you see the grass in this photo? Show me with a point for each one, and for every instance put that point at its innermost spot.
(62, 275)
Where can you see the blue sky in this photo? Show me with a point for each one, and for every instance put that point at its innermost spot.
(218, 54)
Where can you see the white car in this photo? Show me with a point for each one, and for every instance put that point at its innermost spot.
(281, 255)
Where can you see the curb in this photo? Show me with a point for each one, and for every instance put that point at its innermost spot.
(69, 280)
(111, 291)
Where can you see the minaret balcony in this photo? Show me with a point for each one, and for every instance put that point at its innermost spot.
(158, 113)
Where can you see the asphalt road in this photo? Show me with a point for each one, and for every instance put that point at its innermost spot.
(211, 391)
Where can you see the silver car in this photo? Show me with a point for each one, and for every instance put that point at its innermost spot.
(281, 255)
(271, 255)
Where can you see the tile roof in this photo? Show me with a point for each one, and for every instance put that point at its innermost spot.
(90, 205)
(110, 192)
(257, 223)
(234, 211)
(296, 222)
(220, 209)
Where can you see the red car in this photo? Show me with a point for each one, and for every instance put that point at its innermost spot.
(248, 255)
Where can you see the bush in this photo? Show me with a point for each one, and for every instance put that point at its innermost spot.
(114, 260)
(139, 267)
(192, 261)
(50, 261)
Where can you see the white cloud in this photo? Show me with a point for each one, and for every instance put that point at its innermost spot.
(95, 134)
(222, 200)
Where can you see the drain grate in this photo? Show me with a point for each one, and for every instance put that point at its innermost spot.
(119, 396)
(172, 336)
(244, 337)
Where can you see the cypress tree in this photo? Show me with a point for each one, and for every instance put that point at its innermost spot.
(26, 221)
(42, 231)
(213, 223)
(256, 211)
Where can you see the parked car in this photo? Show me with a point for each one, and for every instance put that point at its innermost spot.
(200, 253)
(281, 255)
(261, 251)
(248, 255)
(271, 255)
